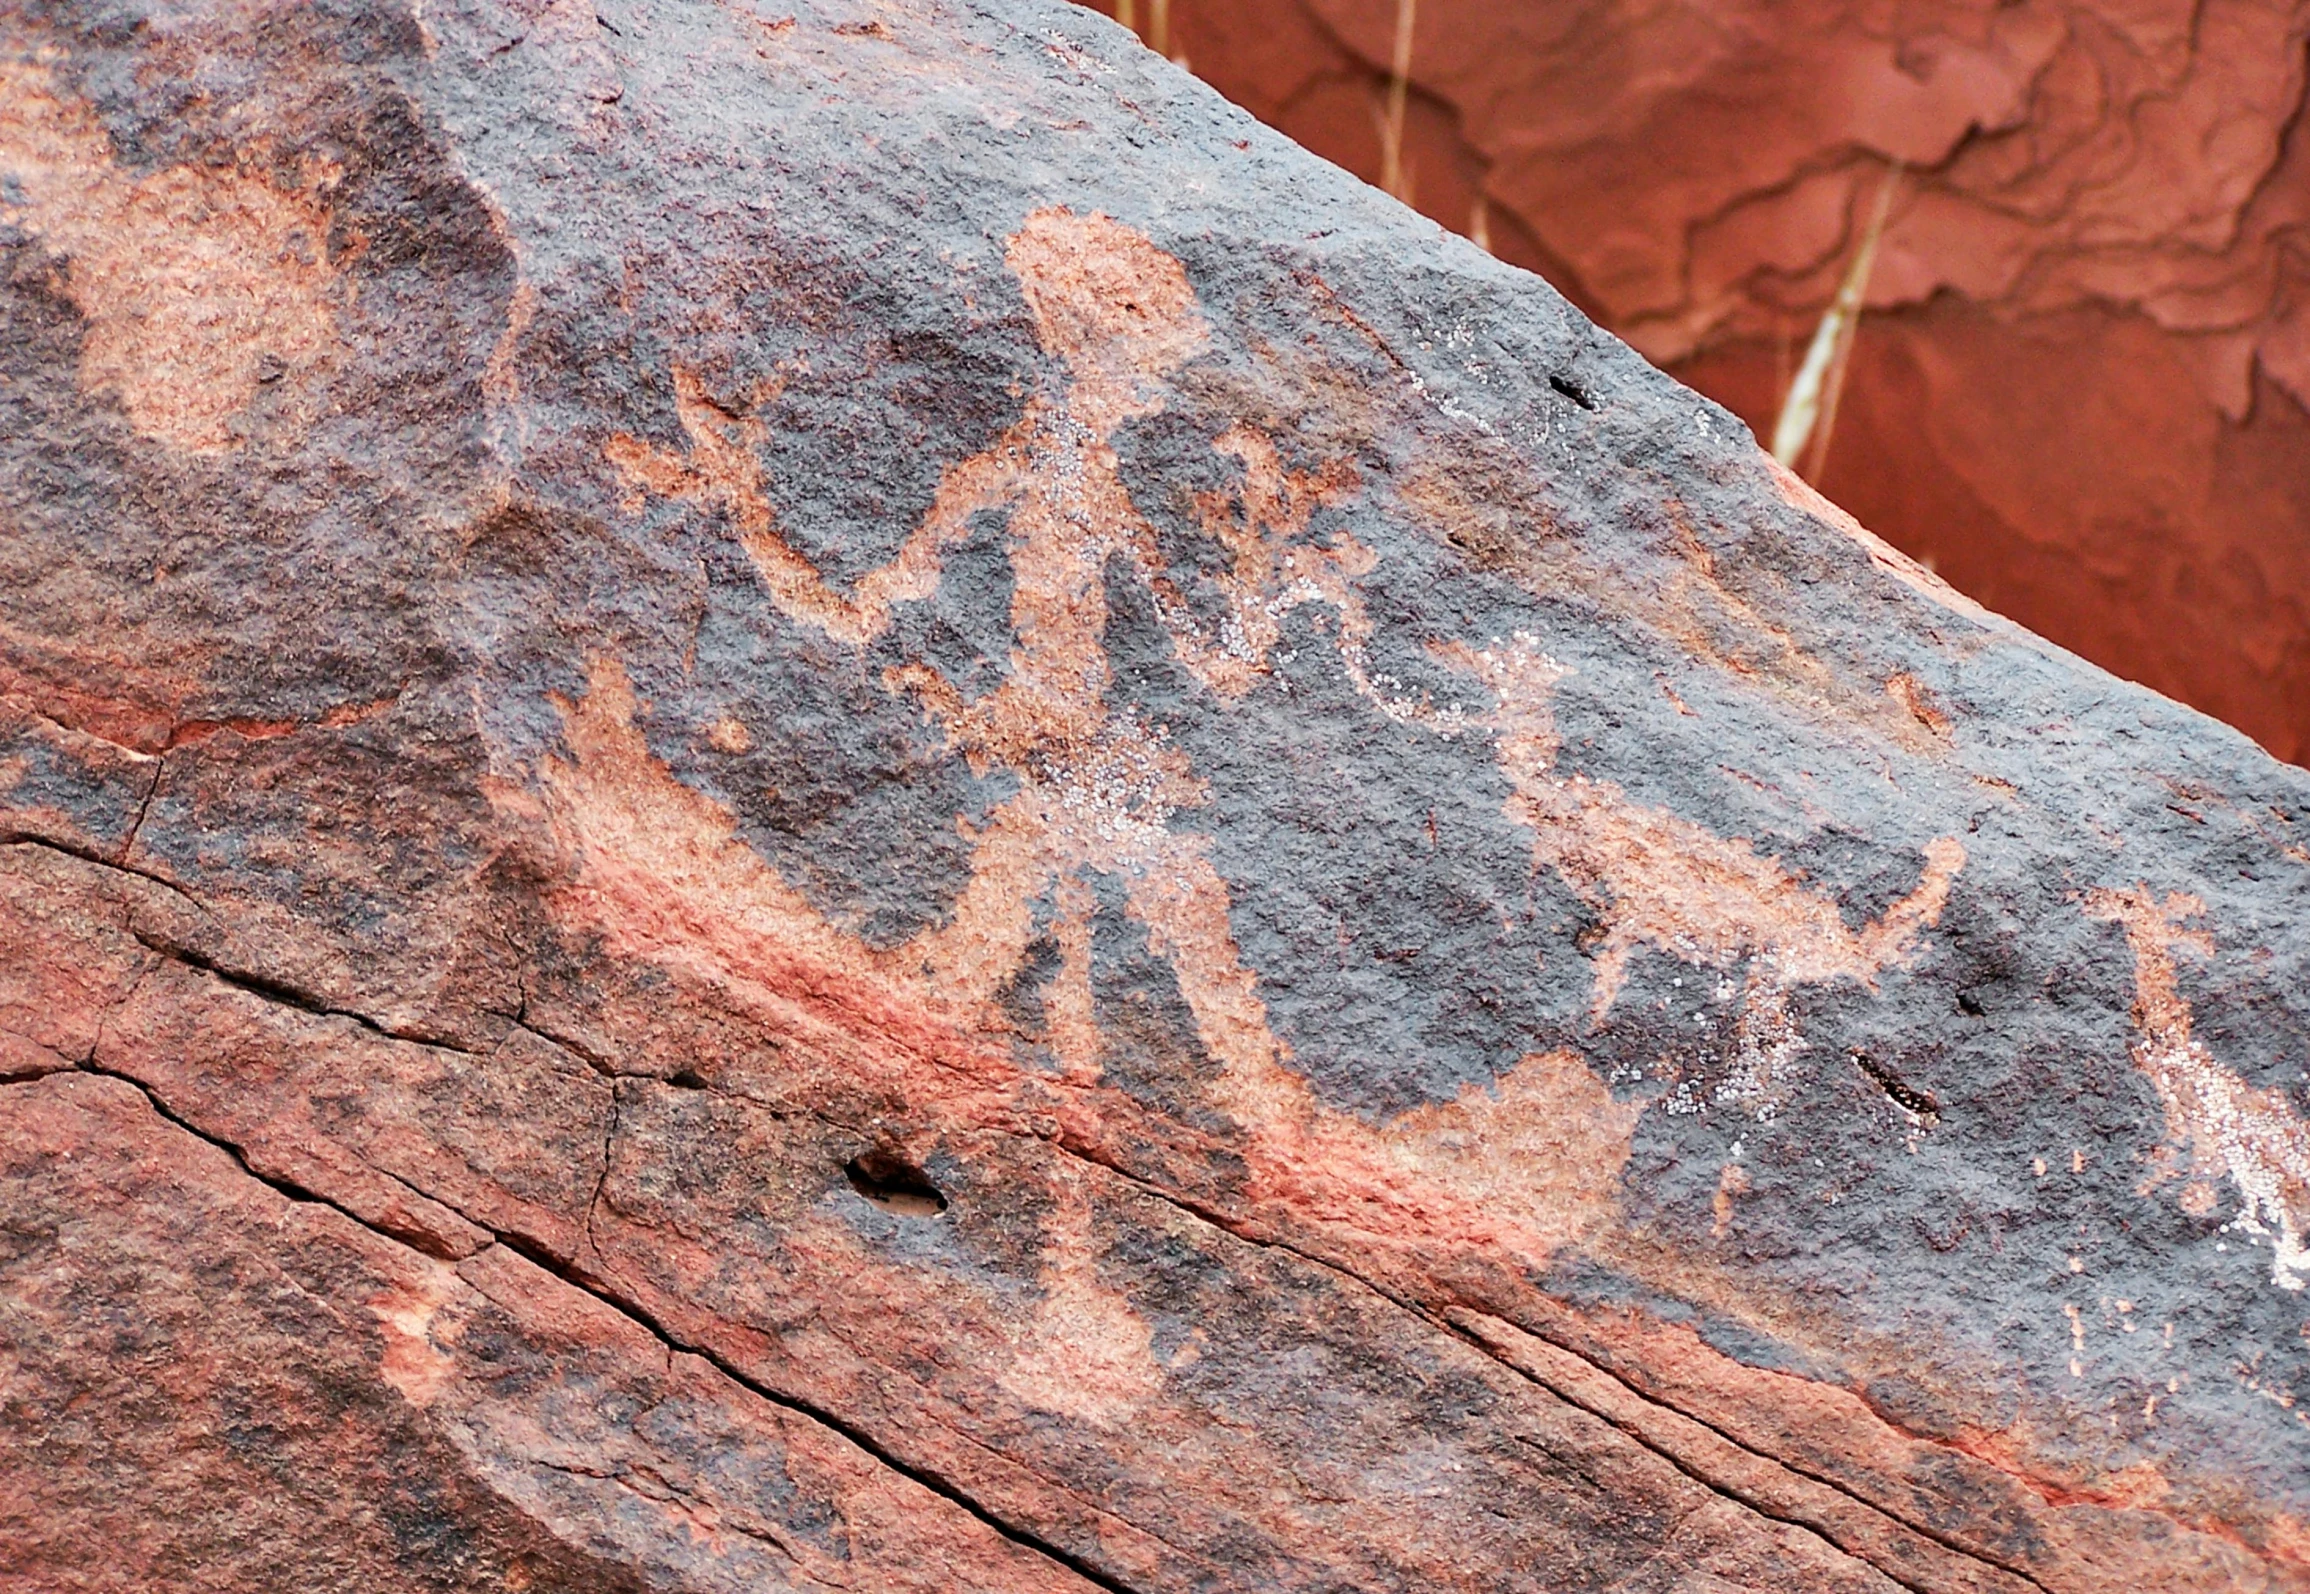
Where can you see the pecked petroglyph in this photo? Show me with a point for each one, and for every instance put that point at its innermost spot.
(2254, 1135)
(1524, 1165)
(413, 1361)
(198, 284)
(1097, 785)
(1661, 880)
(1527, 1164)
(1091, 1356)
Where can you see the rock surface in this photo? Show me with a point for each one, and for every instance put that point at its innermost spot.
(2082, 391)
(838, 796)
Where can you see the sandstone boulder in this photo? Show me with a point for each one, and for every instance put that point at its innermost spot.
(835, 795)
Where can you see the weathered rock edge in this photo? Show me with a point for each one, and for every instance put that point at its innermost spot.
(798, 798)
(2082, 388)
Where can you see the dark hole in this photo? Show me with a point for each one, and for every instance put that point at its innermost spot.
(688, 1079)
(1573, 391)
(894, 1185)
(1920, 1102)
(1970, 1003)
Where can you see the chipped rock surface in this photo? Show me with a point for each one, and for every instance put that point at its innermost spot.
(2082, 387)
(838, 796)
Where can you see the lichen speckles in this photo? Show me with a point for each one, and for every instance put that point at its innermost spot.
(2254, 1135)
(1657, 879)
(199, 284)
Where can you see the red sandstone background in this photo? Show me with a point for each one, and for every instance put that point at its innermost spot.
(2081, 389)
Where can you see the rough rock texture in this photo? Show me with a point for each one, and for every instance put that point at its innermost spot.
(839, 796)
(2083, 389)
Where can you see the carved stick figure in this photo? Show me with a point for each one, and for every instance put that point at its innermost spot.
(1525, 1163)
(1097, 786)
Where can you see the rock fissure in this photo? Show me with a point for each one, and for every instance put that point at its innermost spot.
(287, 994)
(600, 1288)
(278, 1183)
(720, 1520)
(143, 807)
(597, 1289)
(1683, 1461)
(120, 865)
(521, 1019)
(1442, 1321)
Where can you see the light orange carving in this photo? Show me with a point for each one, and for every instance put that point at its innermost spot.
(1090, 1356)
(198, 283)
(412, 1362)
(1097, 786)
(1516, 1168)
(2253, 1135)
(1659, 879)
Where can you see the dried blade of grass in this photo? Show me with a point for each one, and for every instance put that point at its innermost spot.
(1816, 458)
(1809, 413)
(1392, 124)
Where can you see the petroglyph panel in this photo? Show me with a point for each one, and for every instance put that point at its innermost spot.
(969, 828)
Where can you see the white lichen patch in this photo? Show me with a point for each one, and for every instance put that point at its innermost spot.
(1766, 1046)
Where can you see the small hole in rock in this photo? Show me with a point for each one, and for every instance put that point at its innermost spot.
(1897, 1090)
(688, 1079)
(1573, 391)
(894, 1185)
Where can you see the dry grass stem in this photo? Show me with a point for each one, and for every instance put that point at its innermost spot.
(1392, 174)
(1809, 412)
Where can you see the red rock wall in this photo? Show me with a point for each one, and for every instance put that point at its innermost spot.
(2079, 391)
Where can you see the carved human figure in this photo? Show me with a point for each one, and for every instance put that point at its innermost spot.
(1530, 1160)
(1097, 785)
